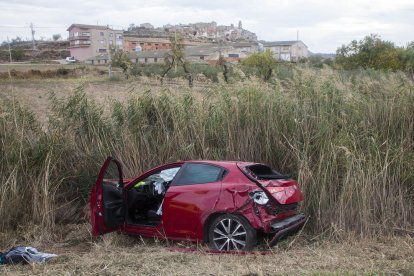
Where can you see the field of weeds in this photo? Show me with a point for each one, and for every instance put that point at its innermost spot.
(348, 137)
(122, 255)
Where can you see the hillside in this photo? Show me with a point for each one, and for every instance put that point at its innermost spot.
(46, 51)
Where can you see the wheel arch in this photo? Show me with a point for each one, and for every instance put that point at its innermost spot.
(213, 216)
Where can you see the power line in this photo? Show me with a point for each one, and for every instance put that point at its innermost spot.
(24, 27)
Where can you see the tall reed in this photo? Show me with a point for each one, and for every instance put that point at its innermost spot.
(348, 137)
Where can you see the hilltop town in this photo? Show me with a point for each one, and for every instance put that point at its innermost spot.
(204, 42)
(144, 43)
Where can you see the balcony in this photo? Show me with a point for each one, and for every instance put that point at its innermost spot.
(79, 43)
(79, 37)
(79, 46)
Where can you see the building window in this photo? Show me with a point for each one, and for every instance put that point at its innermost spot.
(102, 50)
(133, 43)
(111, 42)
(102, 41)
(142, 44)
(146, 60)
(111, 34)
(202, 57)
(102, 33)
(155, 59)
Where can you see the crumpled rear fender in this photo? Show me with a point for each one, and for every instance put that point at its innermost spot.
(236, 199)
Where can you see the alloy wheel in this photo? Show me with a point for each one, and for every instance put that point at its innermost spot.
(229, 234)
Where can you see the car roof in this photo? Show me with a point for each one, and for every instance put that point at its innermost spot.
(222, 163)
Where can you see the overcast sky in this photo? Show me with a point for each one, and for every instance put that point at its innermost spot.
(323, 25)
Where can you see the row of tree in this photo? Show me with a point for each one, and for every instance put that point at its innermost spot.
(373, 52)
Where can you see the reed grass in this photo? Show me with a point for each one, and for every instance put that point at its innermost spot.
(348, 137)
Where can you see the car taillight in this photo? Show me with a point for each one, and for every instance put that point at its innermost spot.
(283, 192)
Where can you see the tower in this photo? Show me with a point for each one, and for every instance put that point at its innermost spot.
(240, 25)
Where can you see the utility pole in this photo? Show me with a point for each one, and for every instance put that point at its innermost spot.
(33, 39)
(8, 42)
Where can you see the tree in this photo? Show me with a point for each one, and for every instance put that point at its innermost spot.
(56, 37)
(121, 59)
(17, 54)
(406, 56)
(222, 64)
(261, 63)
(370, 52)
(176, 57)
(16, 40)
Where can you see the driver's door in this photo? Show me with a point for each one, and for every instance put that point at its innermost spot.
(106, 203)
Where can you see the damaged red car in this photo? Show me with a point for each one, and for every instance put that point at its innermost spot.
(227, 204)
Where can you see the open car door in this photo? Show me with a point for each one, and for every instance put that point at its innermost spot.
(107, 204)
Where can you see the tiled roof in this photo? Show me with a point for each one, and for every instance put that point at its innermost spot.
(85, 26)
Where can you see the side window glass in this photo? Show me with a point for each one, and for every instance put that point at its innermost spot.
(198, 174)
(164, 176)
(112, 174)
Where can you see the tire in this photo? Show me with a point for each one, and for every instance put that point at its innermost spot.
(231, 233)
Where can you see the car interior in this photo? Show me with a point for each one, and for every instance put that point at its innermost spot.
(145, 197)
(265, 172)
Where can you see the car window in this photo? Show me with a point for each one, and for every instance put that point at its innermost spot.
(161, 176)
(198, 173)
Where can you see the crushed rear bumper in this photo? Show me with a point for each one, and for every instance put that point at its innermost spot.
(286, 227)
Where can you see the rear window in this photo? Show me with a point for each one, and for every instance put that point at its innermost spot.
(261, 171)
(198, 173)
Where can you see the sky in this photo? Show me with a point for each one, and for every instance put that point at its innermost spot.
(322, 25)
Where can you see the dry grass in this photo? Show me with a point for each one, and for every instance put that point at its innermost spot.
(122, 255)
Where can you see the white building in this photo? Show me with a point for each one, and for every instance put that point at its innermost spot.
(287, 50)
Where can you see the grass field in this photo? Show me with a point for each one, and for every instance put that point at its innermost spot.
(348, 137)
(122, 255)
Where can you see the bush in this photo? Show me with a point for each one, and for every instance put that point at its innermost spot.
(17, 54)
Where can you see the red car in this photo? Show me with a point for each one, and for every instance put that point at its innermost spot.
(226, 204)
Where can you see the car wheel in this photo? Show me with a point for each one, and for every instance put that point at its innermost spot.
(230, 232)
